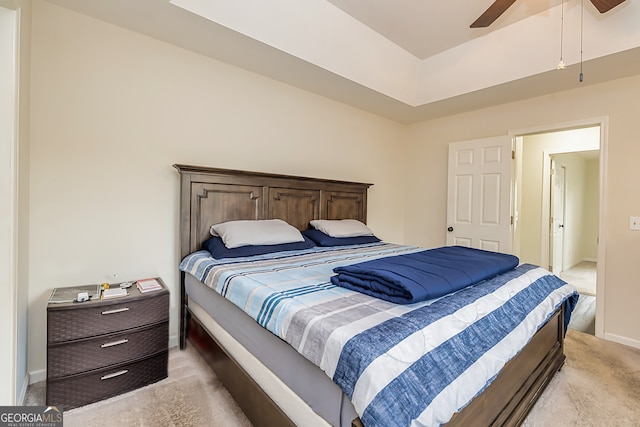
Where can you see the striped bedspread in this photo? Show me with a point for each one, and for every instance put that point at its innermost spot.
(401, 365)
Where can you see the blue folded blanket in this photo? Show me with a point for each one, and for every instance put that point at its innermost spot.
(409, 278)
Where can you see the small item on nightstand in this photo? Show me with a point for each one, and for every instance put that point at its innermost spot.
(148, 285)
(70, 294)
(114, 293)
(82, 297)
(125, 285)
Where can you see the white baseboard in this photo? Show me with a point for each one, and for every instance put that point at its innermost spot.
(22, 394)
(37, 376)
(622, 340)
(174, 341)
(590, 259)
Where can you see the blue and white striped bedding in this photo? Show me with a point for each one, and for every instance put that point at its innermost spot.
(399, 364)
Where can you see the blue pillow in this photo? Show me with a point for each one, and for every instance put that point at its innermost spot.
(323, 239)
(218, 250)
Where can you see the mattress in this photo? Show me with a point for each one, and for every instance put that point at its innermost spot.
(459, 342)
(280, 370)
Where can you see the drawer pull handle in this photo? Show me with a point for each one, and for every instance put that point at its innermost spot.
(111, 344)
(118, 310)
(115, 374)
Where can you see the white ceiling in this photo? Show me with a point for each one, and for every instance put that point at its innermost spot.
(408, 60)
(427, 27)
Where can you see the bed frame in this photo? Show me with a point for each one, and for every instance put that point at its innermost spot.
(210, 195)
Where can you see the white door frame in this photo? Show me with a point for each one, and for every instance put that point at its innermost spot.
(603, 122)
(8, 211)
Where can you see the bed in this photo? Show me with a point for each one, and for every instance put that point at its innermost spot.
(271, 381)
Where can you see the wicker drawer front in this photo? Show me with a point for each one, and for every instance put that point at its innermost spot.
(81, 390)
(104, 318)
(95, 353)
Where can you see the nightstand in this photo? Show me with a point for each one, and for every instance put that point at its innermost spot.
(105, 347)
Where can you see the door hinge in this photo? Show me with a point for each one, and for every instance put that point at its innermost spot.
(513, 154)
(511, 219)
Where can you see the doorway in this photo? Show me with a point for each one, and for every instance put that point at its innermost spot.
(557, 219)
(557, 206)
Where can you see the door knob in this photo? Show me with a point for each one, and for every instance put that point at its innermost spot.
(450, 229)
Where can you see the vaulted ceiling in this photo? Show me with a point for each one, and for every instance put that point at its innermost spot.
(408, 60)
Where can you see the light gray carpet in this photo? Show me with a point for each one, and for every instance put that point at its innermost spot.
(599, 386)
(583, 318)
(583, 276)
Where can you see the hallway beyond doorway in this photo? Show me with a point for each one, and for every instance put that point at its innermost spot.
(582, 276)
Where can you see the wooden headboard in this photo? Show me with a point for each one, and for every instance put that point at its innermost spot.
(209, 196)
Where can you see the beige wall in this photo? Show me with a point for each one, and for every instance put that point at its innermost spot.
(592, 215)
(426, 157)
(113, 110)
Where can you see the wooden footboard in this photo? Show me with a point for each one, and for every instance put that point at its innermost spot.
(506, 402)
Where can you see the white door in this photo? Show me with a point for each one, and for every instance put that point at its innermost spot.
(479, 194)
(556, 223)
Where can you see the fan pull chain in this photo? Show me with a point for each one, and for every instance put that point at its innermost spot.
(581, 36)
(561, 65)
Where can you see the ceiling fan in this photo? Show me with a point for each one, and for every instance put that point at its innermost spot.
(500, 6)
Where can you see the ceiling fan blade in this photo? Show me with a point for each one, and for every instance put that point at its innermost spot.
(605, 5)
(495, 10)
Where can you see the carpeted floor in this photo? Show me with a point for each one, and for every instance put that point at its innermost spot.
(599, 386)
(583, 318)
(583, 276)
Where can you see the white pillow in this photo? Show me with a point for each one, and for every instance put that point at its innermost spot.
(341, 227)
(256, 232)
